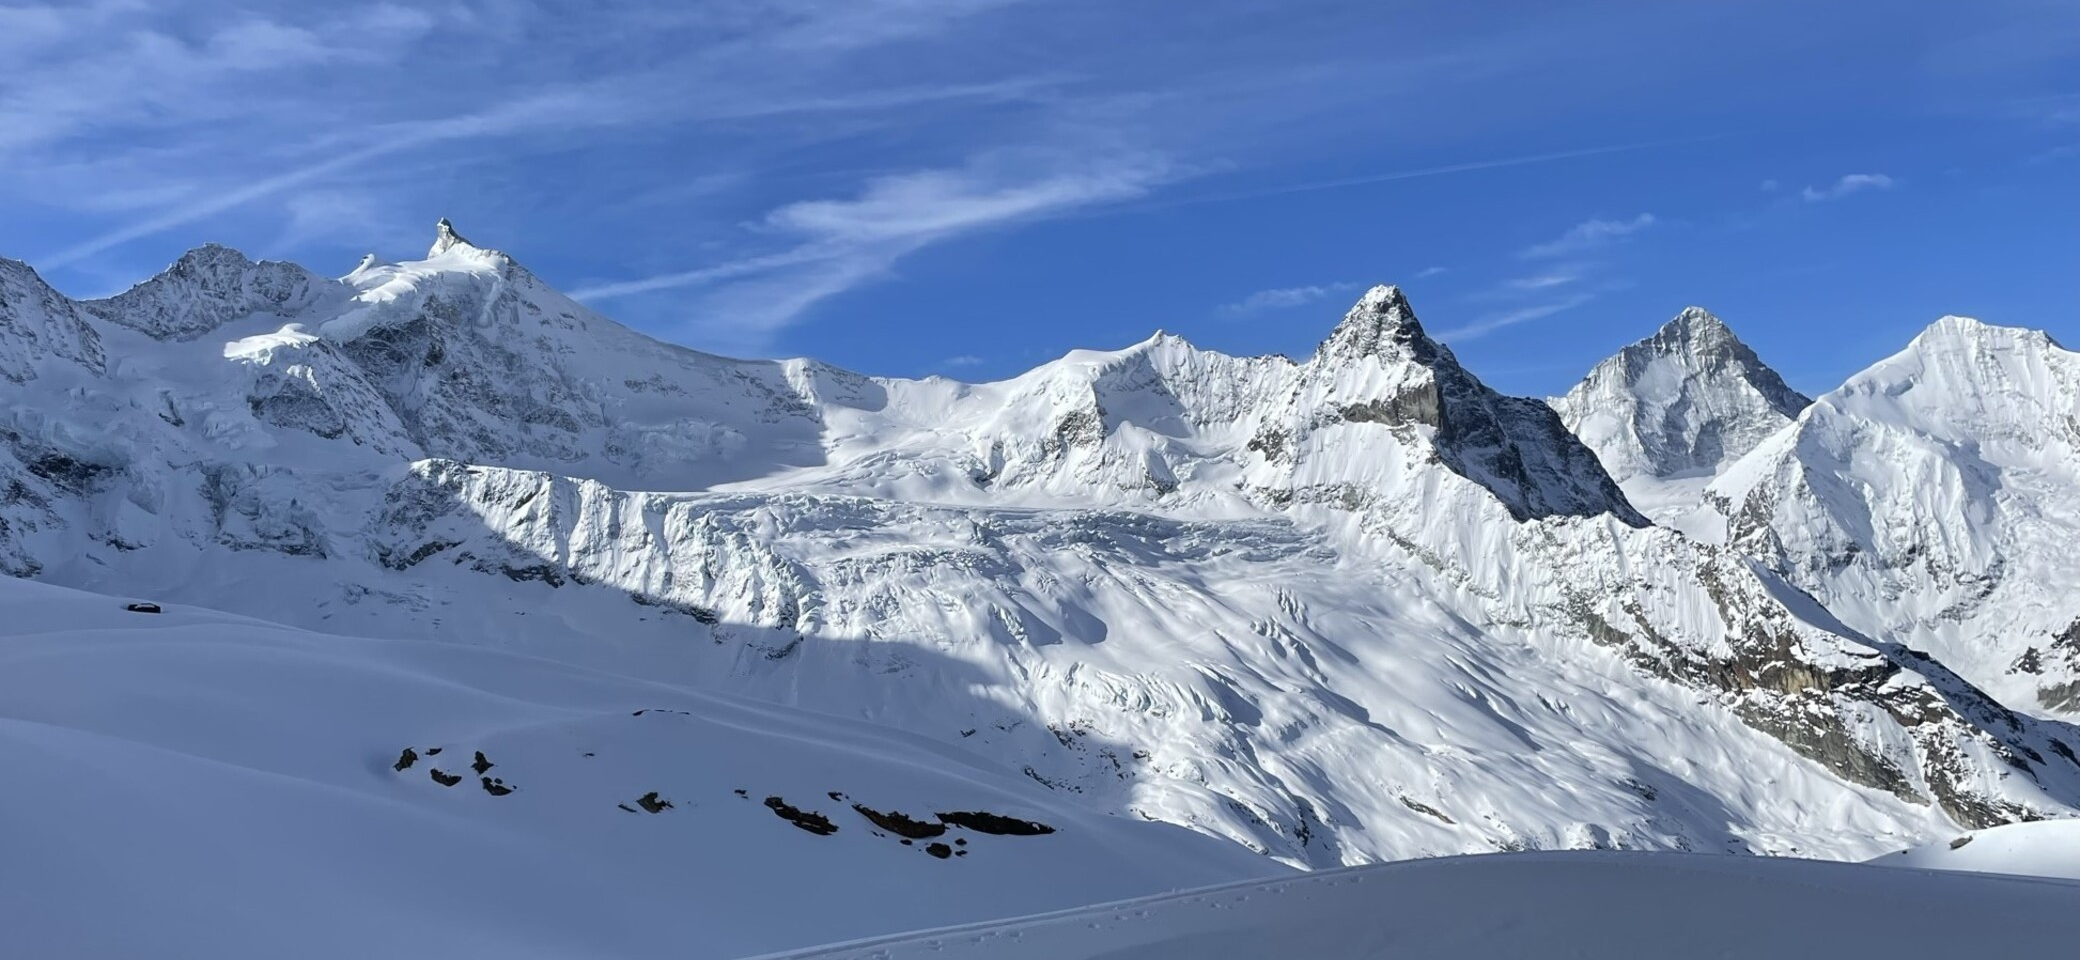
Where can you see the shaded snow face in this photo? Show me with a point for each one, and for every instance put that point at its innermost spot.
(1351, 608)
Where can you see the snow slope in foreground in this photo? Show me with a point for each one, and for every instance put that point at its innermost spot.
(193, 784)
(1543, 905)
(2047, 848)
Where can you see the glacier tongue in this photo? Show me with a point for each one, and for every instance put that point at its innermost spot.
(1347, 609)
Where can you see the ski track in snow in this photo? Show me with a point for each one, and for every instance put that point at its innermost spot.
(1539, 906)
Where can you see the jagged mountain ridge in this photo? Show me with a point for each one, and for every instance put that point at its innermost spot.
(1178, 577)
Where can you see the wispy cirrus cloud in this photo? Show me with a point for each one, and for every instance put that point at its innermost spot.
(1420, 173)
(1586, 236)
(1546, 281)
(119, 97)
(563, 111)
(1283, 298)
(1850, 184)
(1501, 319)
(829, 246)
(1572, 269)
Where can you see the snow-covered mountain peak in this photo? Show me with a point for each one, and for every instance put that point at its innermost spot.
(445, 239)
(1694, 315)
(1380, 324)
(37, 323)
(1958, 365)
(210, 286)
(1679, 405)
(1379, 370)
(210, 258)
(1930, 499)
(1955, 333)
(1697, 329)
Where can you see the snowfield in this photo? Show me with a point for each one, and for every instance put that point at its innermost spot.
(191, 784)
(2047, 848)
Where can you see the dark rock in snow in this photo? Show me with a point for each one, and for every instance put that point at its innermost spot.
(991, 823)
(809, 820)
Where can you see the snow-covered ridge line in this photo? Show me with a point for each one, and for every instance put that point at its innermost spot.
(1354, 607)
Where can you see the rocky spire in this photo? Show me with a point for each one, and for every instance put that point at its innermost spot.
(1381, 323)
(445, 238)
(1517, 448)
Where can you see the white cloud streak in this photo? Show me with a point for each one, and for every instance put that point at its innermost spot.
(1850, 184)
(1545, 281)
(1283, 298)
(1588, 235)
(1438, 171)
(566, 111)
(840, 244)
(1496, 321)
(101, 88)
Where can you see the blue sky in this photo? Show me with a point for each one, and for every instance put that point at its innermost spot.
(908, 187)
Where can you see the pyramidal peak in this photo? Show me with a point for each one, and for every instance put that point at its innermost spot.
(210, 255)
(1689, 399)
(1381, 323)
(1696, 324)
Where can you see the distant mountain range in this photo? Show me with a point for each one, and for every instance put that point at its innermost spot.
(1337, 610)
